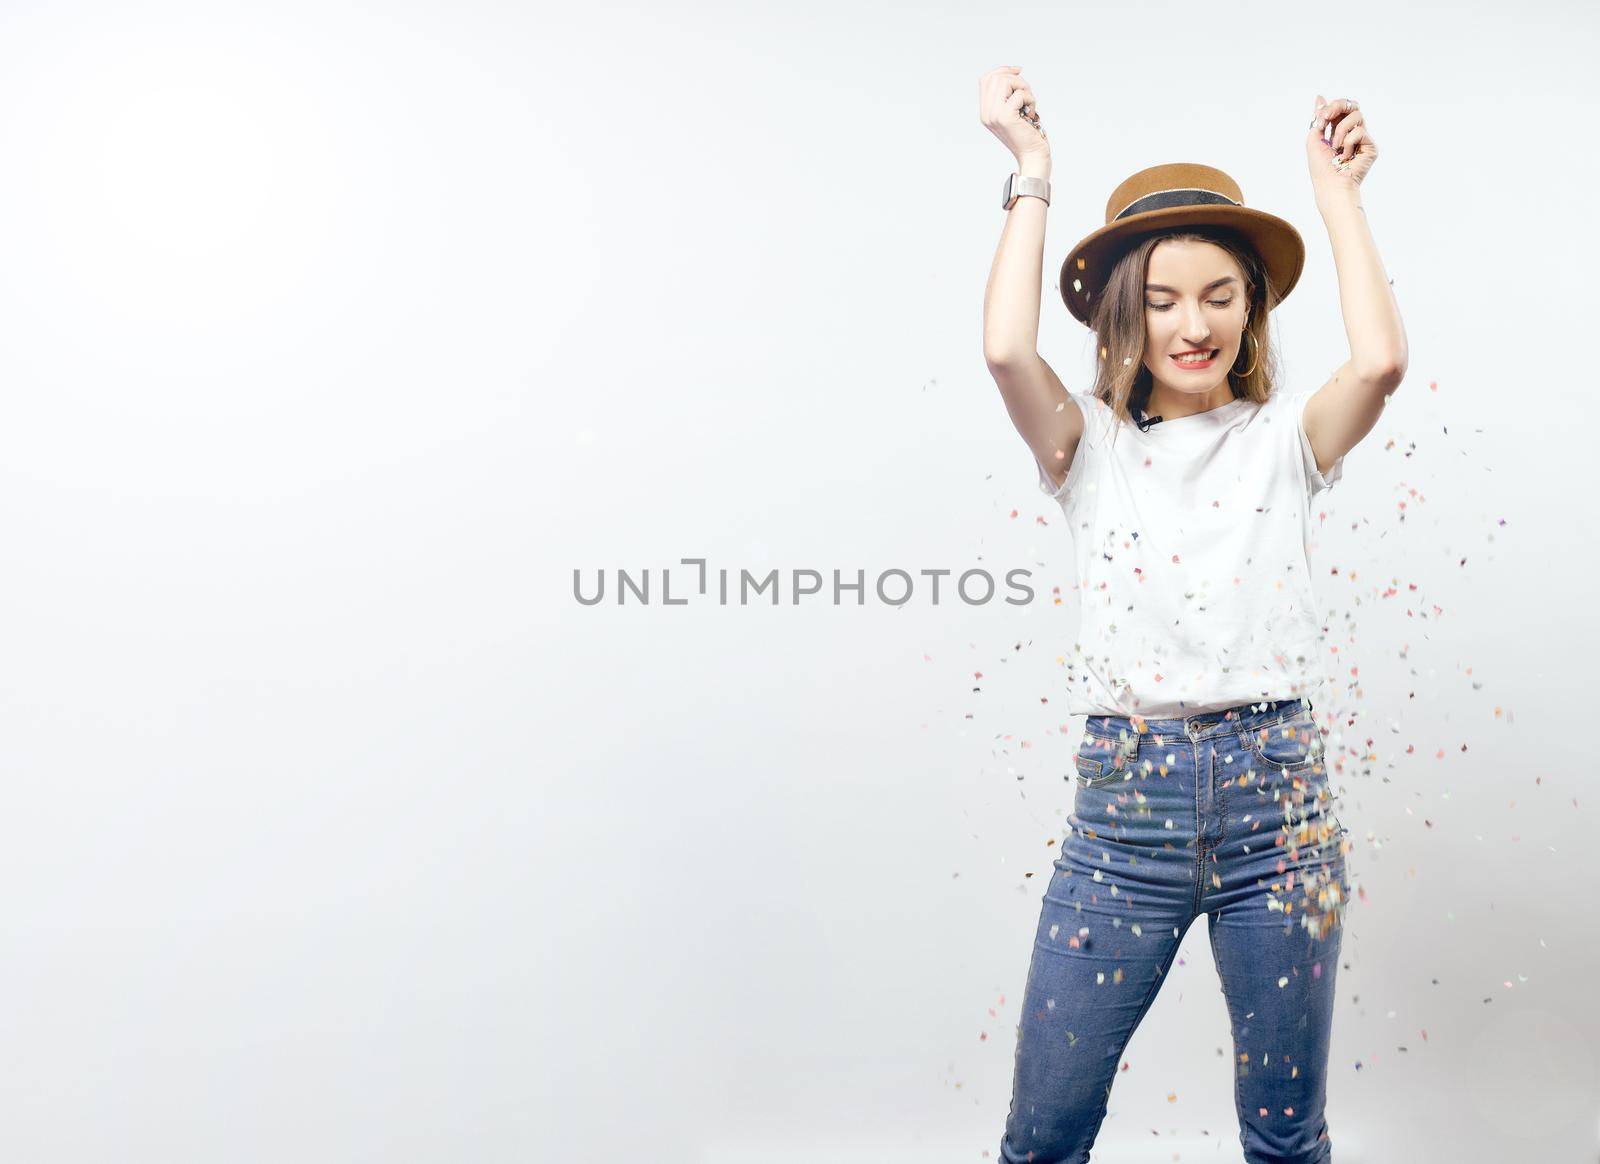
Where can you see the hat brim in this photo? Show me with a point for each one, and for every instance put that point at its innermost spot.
(1279, 244)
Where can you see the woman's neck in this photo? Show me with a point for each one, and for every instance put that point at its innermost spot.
(1170, 404)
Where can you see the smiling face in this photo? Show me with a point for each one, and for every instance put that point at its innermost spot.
(1194, 298)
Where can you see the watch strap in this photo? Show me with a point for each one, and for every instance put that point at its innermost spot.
(1024, 185)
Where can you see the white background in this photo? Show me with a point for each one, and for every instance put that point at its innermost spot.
(336, 338)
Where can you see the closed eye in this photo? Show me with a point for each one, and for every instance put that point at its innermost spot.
(1164, 306)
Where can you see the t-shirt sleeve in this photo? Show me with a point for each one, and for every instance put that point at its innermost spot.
(1316, 481)
(1080, 457)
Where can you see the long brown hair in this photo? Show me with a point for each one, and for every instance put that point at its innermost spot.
(1118, 319)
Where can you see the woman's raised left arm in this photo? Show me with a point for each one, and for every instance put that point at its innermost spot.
(1338, 167)
(1345, 409)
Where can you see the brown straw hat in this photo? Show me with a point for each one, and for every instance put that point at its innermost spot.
(1163, 197)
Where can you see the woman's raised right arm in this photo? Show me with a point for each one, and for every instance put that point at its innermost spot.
(1036, 400)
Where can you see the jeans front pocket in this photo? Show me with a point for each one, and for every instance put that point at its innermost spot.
(1102, 761)
(1294, 745)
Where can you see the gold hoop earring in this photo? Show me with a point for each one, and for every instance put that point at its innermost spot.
(1254, 359)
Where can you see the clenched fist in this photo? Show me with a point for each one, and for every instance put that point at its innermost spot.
(1006, 105)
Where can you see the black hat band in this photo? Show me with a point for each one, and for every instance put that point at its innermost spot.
(1166, 199)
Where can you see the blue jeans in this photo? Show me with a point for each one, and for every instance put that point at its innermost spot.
(1229, 814)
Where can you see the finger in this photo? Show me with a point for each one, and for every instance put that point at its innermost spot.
(1330, 113)
(1342, 130)
(1352, 141)
(1018, 101)
(1001, 88)
(1016, 84)
(1002, 80)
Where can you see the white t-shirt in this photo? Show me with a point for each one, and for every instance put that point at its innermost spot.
(1190, 545)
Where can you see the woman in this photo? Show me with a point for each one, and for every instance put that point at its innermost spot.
(1188, 485)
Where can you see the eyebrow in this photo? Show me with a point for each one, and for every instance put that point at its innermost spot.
(1207, 287)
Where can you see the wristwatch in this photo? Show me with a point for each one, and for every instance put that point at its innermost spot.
(1018, 185)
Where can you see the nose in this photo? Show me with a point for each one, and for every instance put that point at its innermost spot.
(1195, 332)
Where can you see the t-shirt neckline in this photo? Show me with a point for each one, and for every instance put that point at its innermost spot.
(1217, 412)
